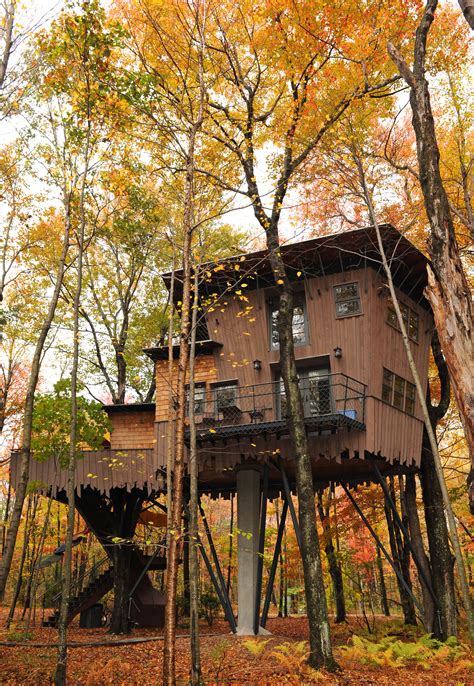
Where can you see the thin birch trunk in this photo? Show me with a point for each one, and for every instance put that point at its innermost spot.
(19, 580)
(24, 467)
(171, 413)
(7, 30)
(196, 673)
(169, 648)
(7, 509)
(36, 568)
(426, 417)
(61, 666)
(231, 546)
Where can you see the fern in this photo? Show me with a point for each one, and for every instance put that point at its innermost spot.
(392, 652)
(255, 647)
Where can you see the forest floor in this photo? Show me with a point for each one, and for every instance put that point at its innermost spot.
(390, 655)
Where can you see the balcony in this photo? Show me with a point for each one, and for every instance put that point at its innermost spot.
(330, 402)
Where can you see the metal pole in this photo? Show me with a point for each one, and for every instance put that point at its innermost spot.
(217, 565)
(289, 500)
(383, 549)
(144, 570)
(261, 548)
(271, 578)
(227, 610)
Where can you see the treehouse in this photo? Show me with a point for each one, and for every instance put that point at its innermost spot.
(362, 417)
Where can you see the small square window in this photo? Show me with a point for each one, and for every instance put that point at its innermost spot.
(347, 300)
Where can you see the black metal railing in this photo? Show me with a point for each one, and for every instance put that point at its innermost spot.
(323, 395)
(55, 592)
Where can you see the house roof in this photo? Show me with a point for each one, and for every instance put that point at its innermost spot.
(339, 252)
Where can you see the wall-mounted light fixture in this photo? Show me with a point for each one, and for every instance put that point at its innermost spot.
(337, 352)
(257, 365)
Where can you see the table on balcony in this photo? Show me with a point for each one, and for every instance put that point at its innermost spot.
(231, 414)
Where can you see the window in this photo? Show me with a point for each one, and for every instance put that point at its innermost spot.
(299, 324)
(199, 399)
(398, 392)
(410, 319)
(224, 396)
(315, 392)
(347, 300)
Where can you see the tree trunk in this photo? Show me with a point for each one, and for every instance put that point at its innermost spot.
(467, 7)
(231, 545)
(180, 401)
(28, 411)
(427, 416)
(7, 508)
(319, 635)
(442, 560)
(447, 291)
(19, 581)
(186, 592)
(196, 674)
(417, 542)
(7, 29)
(121, 556)
(383, 588)
(406, 601)
(335, 571)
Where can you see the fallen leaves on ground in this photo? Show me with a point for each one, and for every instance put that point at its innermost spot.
(226, 659)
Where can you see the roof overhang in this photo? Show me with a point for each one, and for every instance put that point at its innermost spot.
(336, 253)
(162, 352)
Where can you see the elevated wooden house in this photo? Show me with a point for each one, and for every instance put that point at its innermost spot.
(361, 411)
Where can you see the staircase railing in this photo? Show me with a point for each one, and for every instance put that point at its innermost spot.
(82, 581)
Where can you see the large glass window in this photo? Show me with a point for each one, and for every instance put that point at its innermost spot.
(398, 392)
(315, 392)
(299, 323)
(347, 299)
(411, 319)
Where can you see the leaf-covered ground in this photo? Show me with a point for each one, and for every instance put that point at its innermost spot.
(231, 660)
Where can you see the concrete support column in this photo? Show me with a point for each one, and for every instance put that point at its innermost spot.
(248, 516)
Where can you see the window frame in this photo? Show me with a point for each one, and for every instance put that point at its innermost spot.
(299, 300)
(219, 385)
(407, 313)
(304, 382)
(201, 385)
(406, 396)
(355, 298)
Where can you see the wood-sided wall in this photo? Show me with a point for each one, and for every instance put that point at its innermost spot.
(367, 341)
(132, 428)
